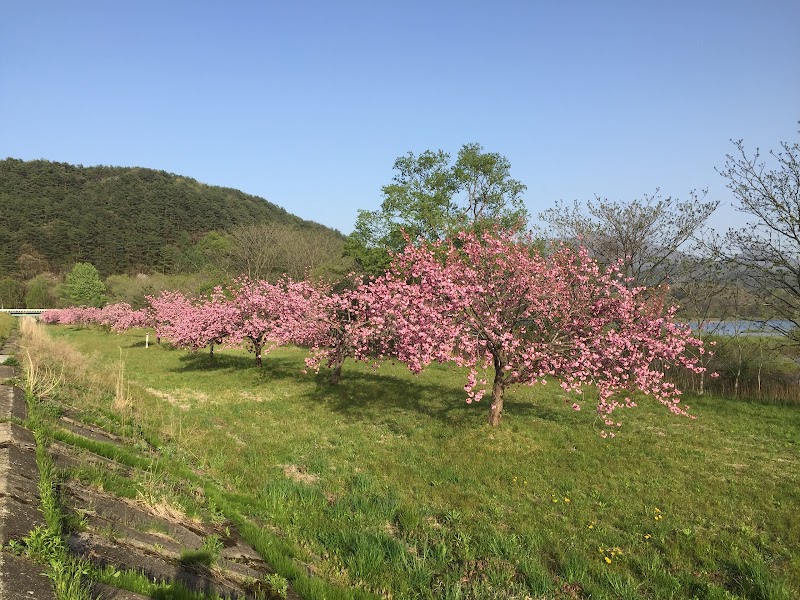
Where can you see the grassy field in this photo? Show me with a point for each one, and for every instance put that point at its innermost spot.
(390, 485)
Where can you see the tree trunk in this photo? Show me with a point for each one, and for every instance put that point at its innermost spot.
(257, 346)
(738, 370)
(760, 366)
(211, 353)
(498, 388)
(496, 409)
(336, 373)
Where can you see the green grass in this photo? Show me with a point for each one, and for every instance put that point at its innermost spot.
(45, 544)
(7, 323)
(391, 484)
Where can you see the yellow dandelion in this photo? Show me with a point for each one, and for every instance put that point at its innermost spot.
(566, 499)
(607, 559)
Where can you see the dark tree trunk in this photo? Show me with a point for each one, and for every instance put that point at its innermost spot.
(336, 373)
(496, 408)
(498, 389)
(257, 347)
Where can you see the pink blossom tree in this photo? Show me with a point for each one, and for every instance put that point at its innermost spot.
(129, 319)
(347, 324)
(492, 301)
(165, 312)
(121, 317)
(76, 315)
(273, 314)
(51, 316)
(205, 322)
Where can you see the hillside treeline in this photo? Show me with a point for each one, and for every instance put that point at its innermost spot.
(120, 219)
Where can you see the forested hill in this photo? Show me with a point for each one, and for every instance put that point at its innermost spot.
(120, 219)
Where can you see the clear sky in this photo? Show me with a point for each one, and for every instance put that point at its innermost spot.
(308, 104)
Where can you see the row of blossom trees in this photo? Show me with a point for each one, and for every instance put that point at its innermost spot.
(493, 303)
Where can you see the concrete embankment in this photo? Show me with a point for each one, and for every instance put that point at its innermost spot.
(117, 532)
(19, 493)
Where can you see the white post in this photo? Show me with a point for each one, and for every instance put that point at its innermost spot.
(147, 340)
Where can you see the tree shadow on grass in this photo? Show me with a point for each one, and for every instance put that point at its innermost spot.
(163, 345)
(377, 395)
(202, 361)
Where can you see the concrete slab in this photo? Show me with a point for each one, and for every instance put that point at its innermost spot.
(19, 483)
(124, 513)
(89, 431)
(12, 434)
(12, 403)
(195, 577)
(21, 579)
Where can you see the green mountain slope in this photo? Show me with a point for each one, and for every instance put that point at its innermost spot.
(120, 219)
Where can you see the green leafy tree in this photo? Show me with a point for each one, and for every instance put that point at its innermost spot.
(83, 286)
(40, 292)
(430, 198)
(12, 294)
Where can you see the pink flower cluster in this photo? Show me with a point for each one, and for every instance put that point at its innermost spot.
(492, 302)
(118, 317)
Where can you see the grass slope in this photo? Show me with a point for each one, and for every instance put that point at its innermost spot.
(389, 484)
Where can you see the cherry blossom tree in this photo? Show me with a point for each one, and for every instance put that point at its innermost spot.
(75, 315)
(495, 302)
(51, 316)
(128, 319)
(273, 314)
(117, 317)
(205, 322)
(165, 312)
(348, 324)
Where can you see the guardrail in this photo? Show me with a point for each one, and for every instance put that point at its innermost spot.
(19, 312)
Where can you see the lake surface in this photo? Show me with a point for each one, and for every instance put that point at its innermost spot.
(747, 327)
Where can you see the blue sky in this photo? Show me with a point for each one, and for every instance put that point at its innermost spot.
(308, 104)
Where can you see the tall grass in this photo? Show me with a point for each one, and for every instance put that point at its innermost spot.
(390, 485)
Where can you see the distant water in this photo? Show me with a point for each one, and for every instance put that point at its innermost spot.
(746, 327)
